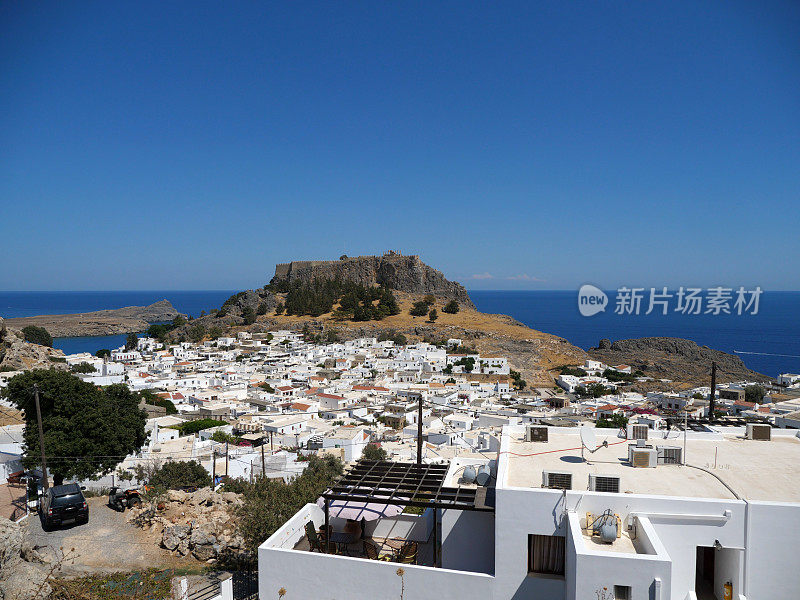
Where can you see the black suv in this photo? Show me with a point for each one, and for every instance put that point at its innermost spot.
(63, 503)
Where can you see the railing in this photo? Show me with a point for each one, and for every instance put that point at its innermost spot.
(207, 592)
(245, 585)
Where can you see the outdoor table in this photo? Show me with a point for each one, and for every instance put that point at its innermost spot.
(342, 539)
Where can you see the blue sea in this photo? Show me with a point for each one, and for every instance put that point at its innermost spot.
(768, 342)
(26, 304)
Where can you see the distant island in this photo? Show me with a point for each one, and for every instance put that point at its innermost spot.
(131, 319)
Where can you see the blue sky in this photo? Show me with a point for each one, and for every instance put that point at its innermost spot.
(512, 145)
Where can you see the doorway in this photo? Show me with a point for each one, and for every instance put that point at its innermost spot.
(704, 573)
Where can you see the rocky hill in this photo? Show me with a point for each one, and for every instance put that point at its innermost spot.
(18, 355)
(674, 358)
(392, 270)
(131, 319)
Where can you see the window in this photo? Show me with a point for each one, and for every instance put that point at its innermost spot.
(622, 592)
(546, 554)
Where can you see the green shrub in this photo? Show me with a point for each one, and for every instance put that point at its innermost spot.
(37, 335)
(175, 475)
(451, 307)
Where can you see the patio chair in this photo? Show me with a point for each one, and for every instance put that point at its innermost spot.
(407, 554)
(371, 551)
(314, 541)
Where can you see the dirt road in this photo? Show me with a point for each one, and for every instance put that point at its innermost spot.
(106, 543)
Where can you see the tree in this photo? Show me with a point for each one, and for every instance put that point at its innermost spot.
(87, 430)
(451, 307)
(262, 308)
(153, 399)
(269, 502)
(197, 332)
(249, 315)
(83, 367)
(433, 315)
(192, 427)
(279, 308)
(419, 309)
(616, 422)
(37, 335)
(754, 393)
(429, 299)
(215, 332)
(131, 341)
(178, 321)
(102, 353)
(373, 452)
(174, 475)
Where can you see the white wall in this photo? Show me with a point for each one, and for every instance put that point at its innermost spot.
(773, 545)
(315, 575)
(468, 541)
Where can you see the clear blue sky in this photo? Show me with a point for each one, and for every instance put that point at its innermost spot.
(512, 145)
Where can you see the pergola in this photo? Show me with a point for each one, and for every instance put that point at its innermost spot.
(407, 484)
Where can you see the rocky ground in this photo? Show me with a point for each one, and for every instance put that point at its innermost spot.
(679, 360)
(18, 355)
(24, 567)
(201, 524)
(131, 319)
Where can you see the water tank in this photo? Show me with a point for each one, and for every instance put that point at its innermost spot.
(608, 531)
(484, 474)
(469, 474)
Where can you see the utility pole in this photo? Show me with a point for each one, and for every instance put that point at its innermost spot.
(419, 432)
(712, 402)
(213, 467)
(45, 483)
(226, 460)
(685, 427)
(271, 450)
(263, 466)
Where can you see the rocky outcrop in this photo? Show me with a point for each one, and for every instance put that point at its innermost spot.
(392, 270)
(230, 314)
(674, 358)
(201, 523)
(131, 319)
(21, 574)
(18, 355)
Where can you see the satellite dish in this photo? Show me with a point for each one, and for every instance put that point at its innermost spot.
(588, 438)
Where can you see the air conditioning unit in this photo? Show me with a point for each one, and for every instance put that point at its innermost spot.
(637, 432)
(642, 457)
(759, 431)
(535, 434)
(669, 455)
(604, 483)
(557, 480)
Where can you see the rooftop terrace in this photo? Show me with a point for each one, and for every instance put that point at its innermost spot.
(756, 470)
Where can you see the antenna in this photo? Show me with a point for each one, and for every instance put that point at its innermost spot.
(589, 441)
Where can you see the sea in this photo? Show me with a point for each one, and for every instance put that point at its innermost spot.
(767, 342)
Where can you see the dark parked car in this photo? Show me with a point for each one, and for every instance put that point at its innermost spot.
(62, 504)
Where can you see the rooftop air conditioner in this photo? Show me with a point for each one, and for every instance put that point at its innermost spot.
(604, 483)
(557, 480)
(669, 455)
(637, 432)
(642, 457)
(535, 434)
(759, 431)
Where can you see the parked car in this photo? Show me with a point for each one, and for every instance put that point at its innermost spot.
(62, 504)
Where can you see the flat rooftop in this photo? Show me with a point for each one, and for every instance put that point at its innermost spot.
(755, 469)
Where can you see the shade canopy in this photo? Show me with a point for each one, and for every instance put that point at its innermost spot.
(407, 484)
(368, 511)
